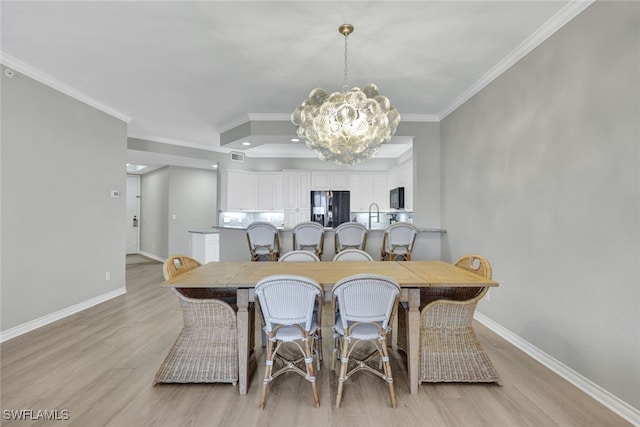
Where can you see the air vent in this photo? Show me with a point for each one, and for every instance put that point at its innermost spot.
(237, 157)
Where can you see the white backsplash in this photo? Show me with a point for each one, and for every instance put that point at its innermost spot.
(242, 219)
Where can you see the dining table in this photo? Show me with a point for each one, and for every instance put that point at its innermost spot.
(411, 276)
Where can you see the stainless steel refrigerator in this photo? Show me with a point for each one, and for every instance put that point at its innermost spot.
(330, 208)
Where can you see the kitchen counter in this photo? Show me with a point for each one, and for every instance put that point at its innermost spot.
(234, 246)
(288, 229)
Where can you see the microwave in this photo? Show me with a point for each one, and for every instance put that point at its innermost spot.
(396, 198)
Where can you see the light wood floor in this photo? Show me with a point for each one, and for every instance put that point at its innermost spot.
(99, 365)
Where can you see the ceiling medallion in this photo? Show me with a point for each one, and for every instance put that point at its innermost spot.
(346, 127)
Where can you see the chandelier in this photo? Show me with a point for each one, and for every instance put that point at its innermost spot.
(346, 127)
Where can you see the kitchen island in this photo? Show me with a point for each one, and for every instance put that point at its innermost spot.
(234, 246)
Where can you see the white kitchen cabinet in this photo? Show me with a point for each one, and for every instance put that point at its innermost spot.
(297, 197)
(408, 186)
(367, 188)
(331, 180)
(340, 181)
(320, 181)
(278, 191)
(205, 246)
(381, 190)
(239, 190)
(265, 190)
(355, 192)
(270, 192)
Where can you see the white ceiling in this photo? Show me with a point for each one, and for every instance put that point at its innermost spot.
(184, 72)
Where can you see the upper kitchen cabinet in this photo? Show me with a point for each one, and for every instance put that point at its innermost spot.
(297, 197)
(367, 188)
(239, 190)
(243, 190)
(330, 180)
(271, 191)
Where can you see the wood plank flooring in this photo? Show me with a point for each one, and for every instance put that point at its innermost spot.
(99, 366)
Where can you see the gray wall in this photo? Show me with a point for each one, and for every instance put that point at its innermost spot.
(189, 194)
(154, 213)
(426, 172)
(61, 230)
(540, 175)
(192, 199)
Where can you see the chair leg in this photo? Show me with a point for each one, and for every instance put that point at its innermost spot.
(335, 353)
(344, 361)
(387, 371)
(267, 372)
(311, 374)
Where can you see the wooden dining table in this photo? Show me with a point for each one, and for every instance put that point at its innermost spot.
(411, 275)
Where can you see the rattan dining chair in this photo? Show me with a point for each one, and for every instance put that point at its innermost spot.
(472, 262)
(350, 235)
(177, 264)
(398, 241)
(363, 306)
(287, 304)
(206, 350)
(309, 236)
(180, 264)
(352, 255)
(449, 348)
(263, 240)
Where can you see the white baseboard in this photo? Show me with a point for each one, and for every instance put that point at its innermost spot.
(152, 256)
(60, 314)
(612, 402)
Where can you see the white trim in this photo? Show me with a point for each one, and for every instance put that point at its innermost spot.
(152, 256)
(270, 117)
(603, 396)
(234, 124)
(419, 118)
(566, 14)
(60, 314)
(43, 78)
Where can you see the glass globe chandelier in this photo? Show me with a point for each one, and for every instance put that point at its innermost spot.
(346, 127)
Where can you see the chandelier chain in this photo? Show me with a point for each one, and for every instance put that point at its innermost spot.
(345, 87)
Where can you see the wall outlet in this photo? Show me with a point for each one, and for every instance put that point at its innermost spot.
(107, 275)
(488, 296)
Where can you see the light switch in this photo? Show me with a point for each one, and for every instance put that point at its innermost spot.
(173, 216)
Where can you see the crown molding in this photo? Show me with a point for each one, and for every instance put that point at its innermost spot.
(269, 117)
(557, 21)
(47, 80)
(419, 118)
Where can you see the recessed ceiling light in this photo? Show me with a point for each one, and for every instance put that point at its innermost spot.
(295, 139)
(246, 143)
(214, 166)
(134, 168)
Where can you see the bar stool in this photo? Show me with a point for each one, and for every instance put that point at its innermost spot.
(263, 241)
(350, 235)
(398, 241)
(309, 236)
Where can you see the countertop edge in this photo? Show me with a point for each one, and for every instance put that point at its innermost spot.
(286, 229)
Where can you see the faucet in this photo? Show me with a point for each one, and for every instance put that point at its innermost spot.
(377, 213)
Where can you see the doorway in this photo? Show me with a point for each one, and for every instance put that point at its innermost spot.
(133, 214)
